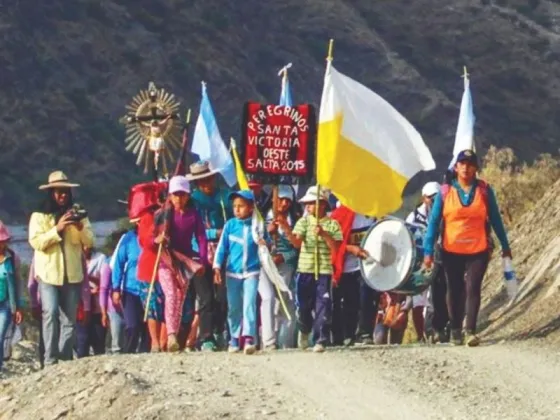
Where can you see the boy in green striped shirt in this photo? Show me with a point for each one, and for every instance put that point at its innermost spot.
(314, 294)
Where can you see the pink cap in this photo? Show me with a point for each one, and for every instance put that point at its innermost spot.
(4, 233)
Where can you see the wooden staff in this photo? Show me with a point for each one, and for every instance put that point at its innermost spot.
(275, 210)
(317, 201)
(153, 281)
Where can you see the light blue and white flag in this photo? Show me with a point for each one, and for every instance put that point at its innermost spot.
(464, 137)
(286, 93)
(286, 96)
(208, 144)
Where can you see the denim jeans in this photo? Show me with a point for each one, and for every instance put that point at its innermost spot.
(60, 307)
(116, 326)
(242, 306)
(5, 319)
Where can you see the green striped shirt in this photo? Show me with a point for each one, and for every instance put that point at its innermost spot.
(305, 229)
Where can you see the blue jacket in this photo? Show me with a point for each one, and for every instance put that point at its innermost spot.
(436, 214)
(212, 209)
(124, 264)
(238, 250)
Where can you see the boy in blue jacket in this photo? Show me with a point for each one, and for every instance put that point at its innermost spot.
(238, 248)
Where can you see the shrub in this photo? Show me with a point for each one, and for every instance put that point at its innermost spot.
(518, 185)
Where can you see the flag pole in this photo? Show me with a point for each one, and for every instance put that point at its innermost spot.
(317, 201)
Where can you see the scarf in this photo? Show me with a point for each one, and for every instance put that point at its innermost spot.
(345, 218)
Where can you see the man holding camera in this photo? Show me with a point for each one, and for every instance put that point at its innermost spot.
(58, 231)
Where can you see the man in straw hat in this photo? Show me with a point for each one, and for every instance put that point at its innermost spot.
(58, 234)
(212, 201)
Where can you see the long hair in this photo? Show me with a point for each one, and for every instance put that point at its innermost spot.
(50, 206)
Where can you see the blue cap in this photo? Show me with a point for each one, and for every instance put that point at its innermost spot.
(244, 194)
(467, 156)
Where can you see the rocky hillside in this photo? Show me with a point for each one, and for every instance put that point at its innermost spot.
(67, 69)
(535, 313)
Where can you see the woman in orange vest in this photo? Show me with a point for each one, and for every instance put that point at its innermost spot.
(467, 207)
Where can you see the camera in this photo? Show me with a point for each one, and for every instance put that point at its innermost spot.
(77, 213)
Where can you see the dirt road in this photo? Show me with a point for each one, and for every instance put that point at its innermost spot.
(513, 381)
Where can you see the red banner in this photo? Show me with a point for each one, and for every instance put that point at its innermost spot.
(278, 143)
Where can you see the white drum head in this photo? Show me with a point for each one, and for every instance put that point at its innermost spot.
(392, 255)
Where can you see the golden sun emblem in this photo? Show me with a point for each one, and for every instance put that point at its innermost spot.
(152, 127)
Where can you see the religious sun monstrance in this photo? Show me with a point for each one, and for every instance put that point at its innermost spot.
(153, 128)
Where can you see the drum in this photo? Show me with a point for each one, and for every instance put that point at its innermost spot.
(396, 258)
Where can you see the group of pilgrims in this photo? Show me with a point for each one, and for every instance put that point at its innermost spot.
(187, 275)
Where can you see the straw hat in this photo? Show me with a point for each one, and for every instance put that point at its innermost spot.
(58, 179)
(4, 233)
(200, 170)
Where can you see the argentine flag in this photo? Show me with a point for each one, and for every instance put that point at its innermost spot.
(464, 137)
(208, 144)
(286, 93)
(286, 97)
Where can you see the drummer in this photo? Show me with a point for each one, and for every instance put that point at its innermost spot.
(436, 293)
(351, 295)
(467, 207)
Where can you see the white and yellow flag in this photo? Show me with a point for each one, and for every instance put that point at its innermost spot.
(367, 151)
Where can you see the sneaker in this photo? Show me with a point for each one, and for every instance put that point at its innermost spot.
(457, 338)
(249, 347)
(234, 346)
(220, 341)
(472, 340)
(318, 348)
(367, 340)
(208, 346)
(348, 342)
(303, 341)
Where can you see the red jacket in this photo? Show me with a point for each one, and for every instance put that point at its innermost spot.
(345, 218)
(148, 254)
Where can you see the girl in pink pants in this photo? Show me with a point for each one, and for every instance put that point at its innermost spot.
(175, 226)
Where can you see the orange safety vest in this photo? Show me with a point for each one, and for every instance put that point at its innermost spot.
(465, 227)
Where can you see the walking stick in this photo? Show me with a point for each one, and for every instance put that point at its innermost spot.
(152, 282)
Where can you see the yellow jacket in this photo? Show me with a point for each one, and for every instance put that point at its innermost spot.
(49, 259)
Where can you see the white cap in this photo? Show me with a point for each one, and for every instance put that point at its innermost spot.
(311, 195)
(179, 183)
(430, 189)
(286, 191)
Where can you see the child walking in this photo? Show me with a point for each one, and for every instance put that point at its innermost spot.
(314, 295)
(238, 249)
(177, 265)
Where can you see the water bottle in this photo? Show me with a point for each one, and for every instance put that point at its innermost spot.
(509, 277)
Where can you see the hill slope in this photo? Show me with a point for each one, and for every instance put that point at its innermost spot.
(68, 69)
(535, 243)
